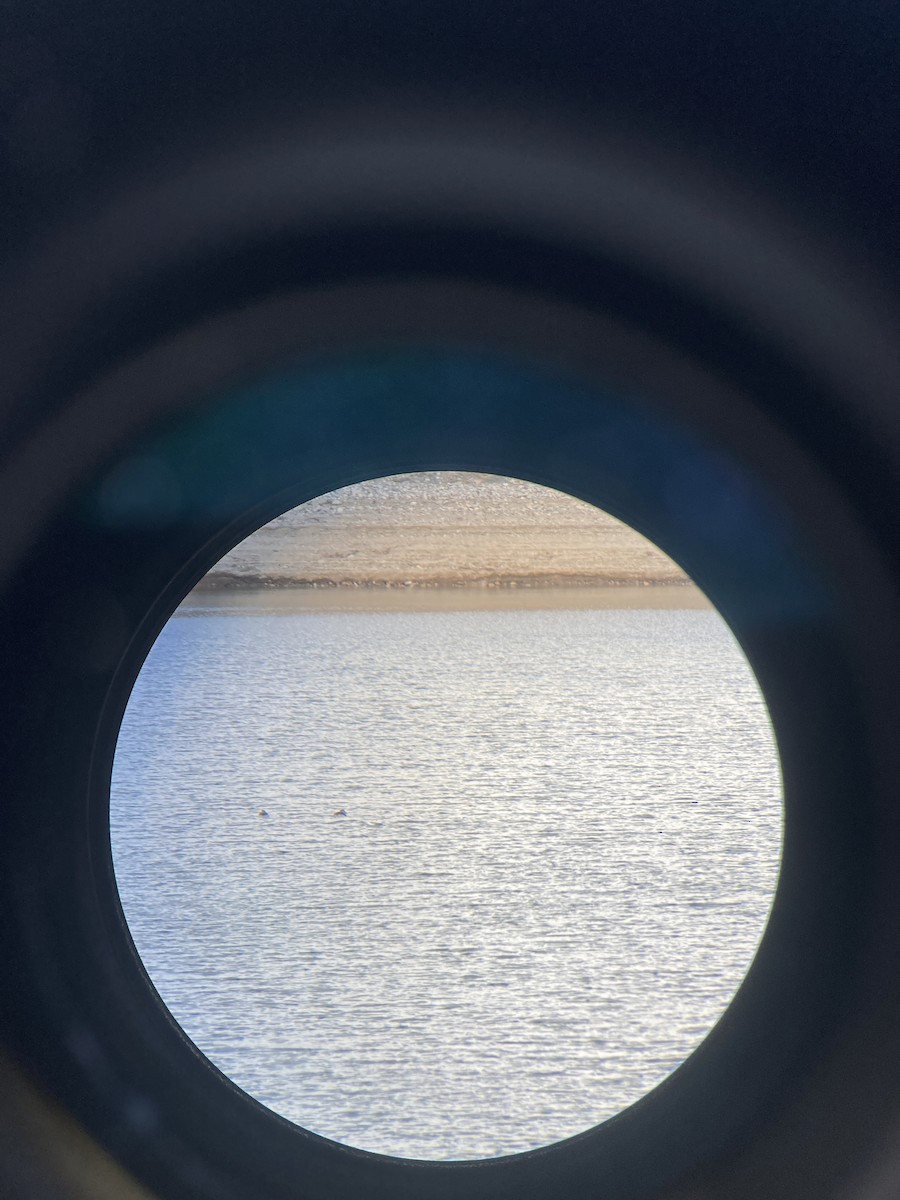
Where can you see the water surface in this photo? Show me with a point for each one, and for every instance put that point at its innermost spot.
(561, 843)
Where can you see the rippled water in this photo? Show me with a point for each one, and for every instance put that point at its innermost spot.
(561, 843)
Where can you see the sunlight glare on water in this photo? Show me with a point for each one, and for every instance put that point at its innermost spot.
(561, 842)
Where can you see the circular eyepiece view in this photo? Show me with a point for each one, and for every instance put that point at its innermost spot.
(446, 815)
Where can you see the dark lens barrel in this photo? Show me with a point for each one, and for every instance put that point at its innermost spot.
(647, 255)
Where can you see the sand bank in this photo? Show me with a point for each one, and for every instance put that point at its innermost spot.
(506, 541)
(249, 601)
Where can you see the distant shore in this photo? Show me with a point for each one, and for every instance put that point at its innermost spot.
(449, 534)
(223, 581)
(288, 598)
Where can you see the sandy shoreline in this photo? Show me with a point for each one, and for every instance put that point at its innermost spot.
(287, 600)
(450, 540)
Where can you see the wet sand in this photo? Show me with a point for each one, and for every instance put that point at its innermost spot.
(272, 601)
(449, 540)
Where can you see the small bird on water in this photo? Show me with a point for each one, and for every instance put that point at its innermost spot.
(339, 812)
(262, 813)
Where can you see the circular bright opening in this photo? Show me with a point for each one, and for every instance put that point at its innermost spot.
(446, 816)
